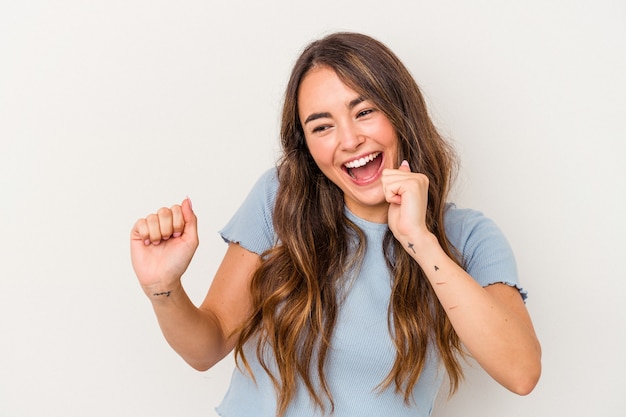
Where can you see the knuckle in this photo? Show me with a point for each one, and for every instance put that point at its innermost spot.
(140, 228)
(164, 212)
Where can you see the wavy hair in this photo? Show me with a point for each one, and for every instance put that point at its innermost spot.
(296, 289)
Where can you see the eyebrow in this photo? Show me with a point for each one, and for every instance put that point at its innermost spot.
(322, 115)
(316, 116)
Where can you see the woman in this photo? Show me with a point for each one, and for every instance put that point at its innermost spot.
(349, 286)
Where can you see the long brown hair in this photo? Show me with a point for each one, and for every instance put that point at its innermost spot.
(295, 290)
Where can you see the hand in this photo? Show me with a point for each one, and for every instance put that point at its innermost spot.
(162, 245)
(407, 193)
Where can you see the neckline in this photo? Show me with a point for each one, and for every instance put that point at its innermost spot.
(365, 224)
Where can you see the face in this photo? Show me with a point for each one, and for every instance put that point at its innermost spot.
(350, 139)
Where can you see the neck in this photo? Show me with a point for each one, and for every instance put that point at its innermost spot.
(374, 214)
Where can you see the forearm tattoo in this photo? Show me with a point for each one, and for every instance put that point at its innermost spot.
(412, 247)
(165, 293)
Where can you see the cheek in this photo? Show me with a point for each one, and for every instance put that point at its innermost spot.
(393, 142)
(321, 152)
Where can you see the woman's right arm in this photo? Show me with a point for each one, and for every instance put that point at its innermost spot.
(162, 246)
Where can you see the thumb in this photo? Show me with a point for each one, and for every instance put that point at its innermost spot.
(189, 216)
(404, 166)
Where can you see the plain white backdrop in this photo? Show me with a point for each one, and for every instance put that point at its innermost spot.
(112, 109)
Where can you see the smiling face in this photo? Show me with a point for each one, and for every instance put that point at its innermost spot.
(350, 139)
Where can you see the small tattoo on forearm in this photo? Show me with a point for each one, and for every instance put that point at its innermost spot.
(436, 268)
(412, 247)
(165, 293)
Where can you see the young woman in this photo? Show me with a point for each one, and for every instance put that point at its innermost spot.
(350, 286)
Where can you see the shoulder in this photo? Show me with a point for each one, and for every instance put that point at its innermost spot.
(482, 248)
(263, 192)
(267, 183)
(463, 225)
(269, 178)
(252, 224)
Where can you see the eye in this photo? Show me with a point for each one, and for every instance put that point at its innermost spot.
(364, 113)
(320, 128)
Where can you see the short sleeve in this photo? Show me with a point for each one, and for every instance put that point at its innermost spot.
(484, 250)
(251, 226)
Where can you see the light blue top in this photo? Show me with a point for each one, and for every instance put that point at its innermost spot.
(362, 352)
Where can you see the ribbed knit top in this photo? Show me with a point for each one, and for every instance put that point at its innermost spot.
(362, 352)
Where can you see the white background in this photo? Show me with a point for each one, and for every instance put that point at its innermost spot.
(112, 109)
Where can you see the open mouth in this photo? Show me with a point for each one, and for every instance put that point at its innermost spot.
(364, 168)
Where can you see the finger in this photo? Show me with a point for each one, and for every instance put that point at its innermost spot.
(140, 231)
(189, 216)
(154, 229)
(165, 222)
(178, 222)
(190, 230)
(392, 191)
(393, 198)
(404, 166)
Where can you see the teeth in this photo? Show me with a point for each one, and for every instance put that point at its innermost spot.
(360, 162)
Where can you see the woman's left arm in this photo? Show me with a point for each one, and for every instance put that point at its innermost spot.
(492, 322)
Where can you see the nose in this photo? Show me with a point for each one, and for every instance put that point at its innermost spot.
(350, 138)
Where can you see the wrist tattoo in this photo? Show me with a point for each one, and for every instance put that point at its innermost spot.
(412, 247)
(165, 293)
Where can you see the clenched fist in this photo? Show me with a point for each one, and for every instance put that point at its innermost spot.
(161, 247)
